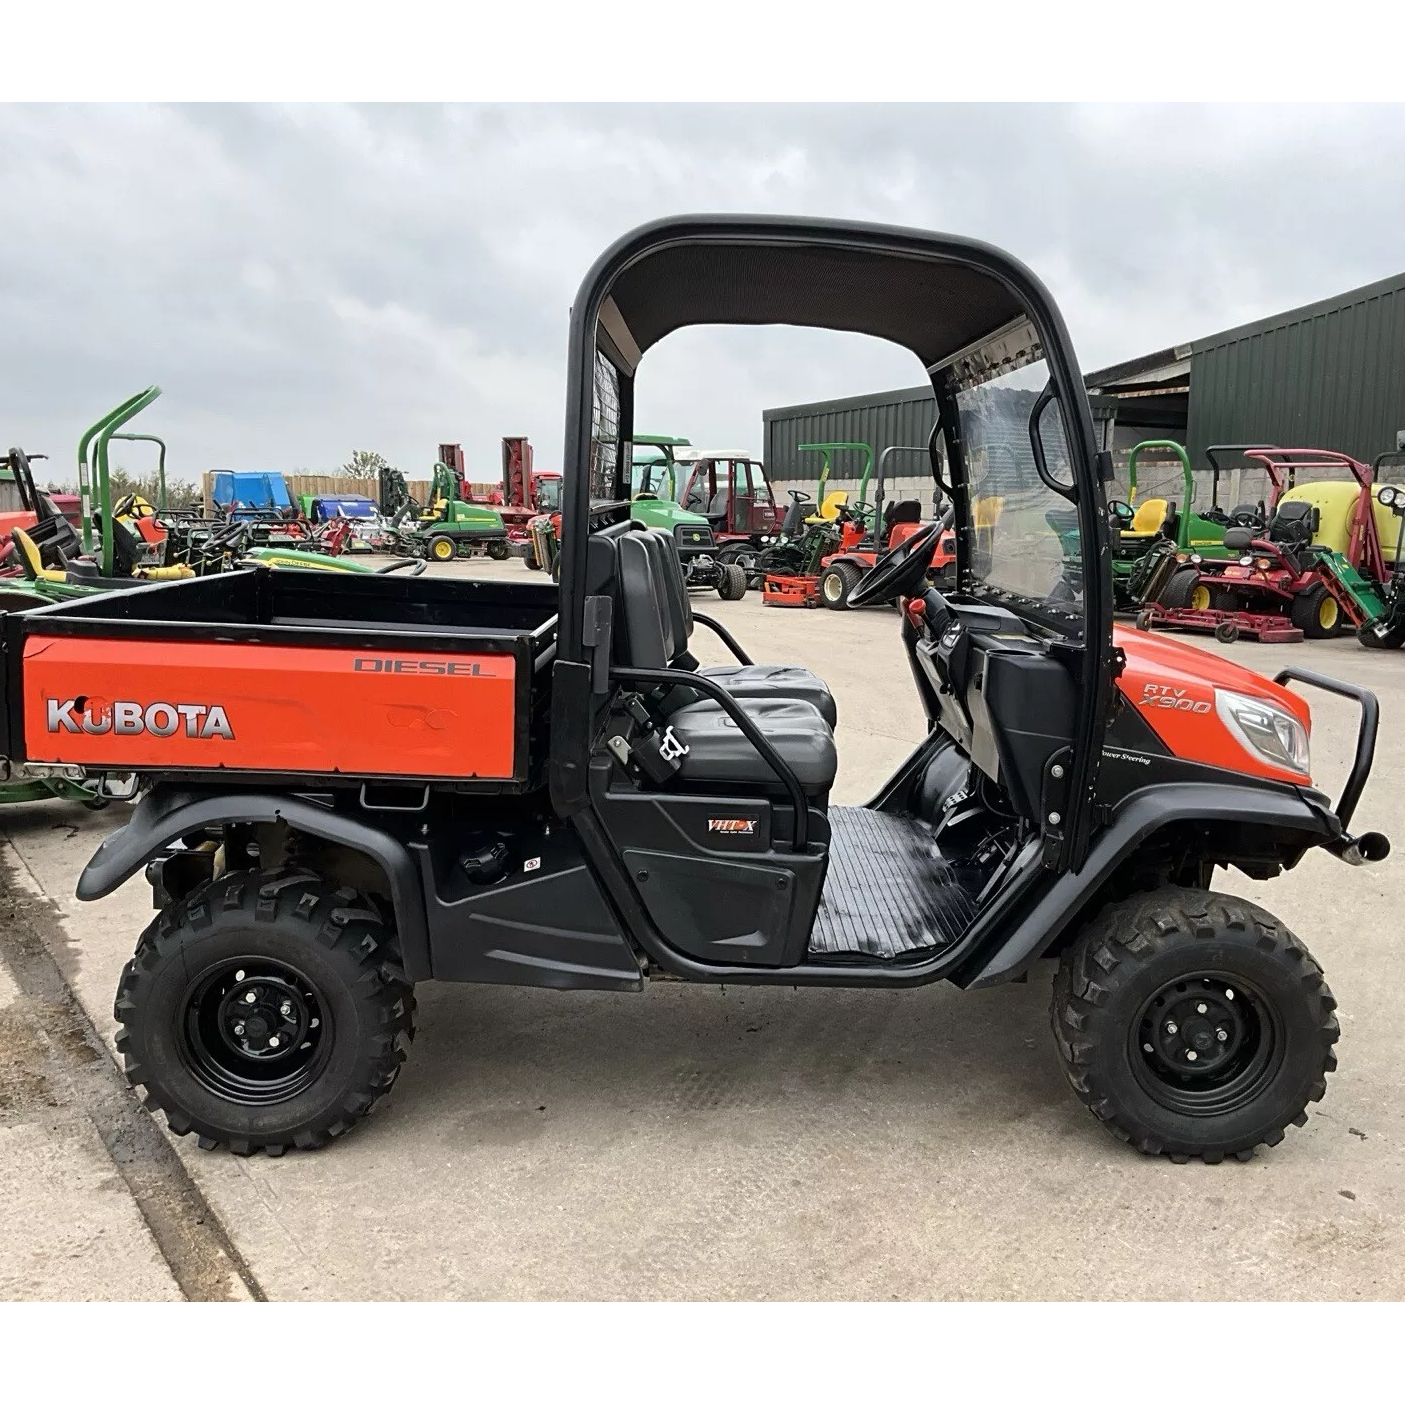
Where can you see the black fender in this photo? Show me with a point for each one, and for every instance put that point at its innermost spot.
(167, 813)
(1132, 823)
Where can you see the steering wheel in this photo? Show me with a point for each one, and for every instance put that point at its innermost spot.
(1120, 511)
(230, 538)
(797, 496)
(1247, 518)
(410, 563)
(899, 571)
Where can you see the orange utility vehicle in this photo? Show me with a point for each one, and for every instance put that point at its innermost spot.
(358, 783)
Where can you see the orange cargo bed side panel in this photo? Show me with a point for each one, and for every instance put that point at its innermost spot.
(267, 707)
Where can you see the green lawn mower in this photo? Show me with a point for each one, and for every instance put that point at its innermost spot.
(449, 527)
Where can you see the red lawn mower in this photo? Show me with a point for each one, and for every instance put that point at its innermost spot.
(860, 545)
(1313, 566)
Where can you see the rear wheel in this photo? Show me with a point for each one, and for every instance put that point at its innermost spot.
(1176, 593)
(497, 551)
(1193, 1024)
(265, 1011)
(442, 549)
(837, 583)
(732, 585)
(532, 563)
(1316, 613)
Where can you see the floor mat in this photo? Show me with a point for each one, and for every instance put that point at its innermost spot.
(888, 891)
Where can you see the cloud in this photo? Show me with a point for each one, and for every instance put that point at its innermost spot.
(303, 281)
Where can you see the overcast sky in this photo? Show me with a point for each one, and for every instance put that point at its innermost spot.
(310, 280)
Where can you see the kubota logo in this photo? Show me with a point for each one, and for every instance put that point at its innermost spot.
(132, 719)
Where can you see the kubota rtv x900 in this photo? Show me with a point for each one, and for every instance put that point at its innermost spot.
(362, 783)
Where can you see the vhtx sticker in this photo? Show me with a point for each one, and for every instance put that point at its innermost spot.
(1161, 695)
(132, 719)
(731, 826)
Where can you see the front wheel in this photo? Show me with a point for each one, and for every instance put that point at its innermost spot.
(837, 584)
(1193, 1024)
(1316, 613)
(732, 585)
(442, 549)
(267, 1010)
(497, 551)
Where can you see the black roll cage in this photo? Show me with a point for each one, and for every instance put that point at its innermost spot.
(908, 249)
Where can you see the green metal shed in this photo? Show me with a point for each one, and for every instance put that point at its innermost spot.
(1330, 376)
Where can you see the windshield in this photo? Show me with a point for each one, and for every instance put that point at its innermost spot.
(650, 477)
(1026, 541)
(549, 494)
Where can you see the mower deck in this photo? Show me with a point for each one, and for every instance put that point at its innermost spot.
(889, 892)
(792, 592)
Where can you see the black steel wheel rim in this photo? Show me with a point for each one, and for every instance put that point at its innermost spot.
(254, 1031)
(1206, 1044)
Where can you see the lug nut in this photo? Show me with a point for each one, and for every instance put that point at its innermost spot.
(1171, 1026)
(239, 975)
(1229, 994)
(1222, 1035)
(1148, 1048)
(250, 997)
(239, 1029)
(273, 1042)
(1191, 1055)
(285, 1009)
(1200, 1009)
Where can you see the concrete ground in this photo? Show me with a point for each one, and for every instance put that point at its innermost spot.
(696, 1142)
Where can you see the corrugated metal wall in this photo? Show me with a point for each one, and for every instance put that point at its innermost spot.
(895, 417)
(1329, 376)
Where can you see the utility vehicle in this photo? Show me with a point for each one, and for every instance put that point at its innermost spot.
(355, 790)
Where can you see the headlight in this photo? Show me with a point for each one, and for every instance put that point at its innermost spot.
(1265, 730)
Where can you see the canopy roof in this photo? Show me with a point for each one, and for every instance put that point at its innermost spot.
(929, 299)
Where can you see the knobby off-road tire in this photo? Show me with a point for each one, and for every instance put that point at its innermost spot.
(732, 586)
(1144, 967)
(267, 1010)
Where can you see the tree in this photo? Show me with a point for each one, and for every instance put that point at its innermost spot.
(365, 463)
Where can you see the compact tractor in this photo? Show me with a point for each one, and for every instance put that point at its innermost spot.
(562, 796)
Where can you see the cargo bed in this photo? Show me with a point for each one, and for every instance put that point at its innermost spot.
(288, 673)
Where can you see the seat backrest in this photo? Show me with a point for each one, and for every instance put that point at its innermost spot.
(647, 638)
(830, 507)
(1293, 522)
(1149, 516)
(668, 570)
